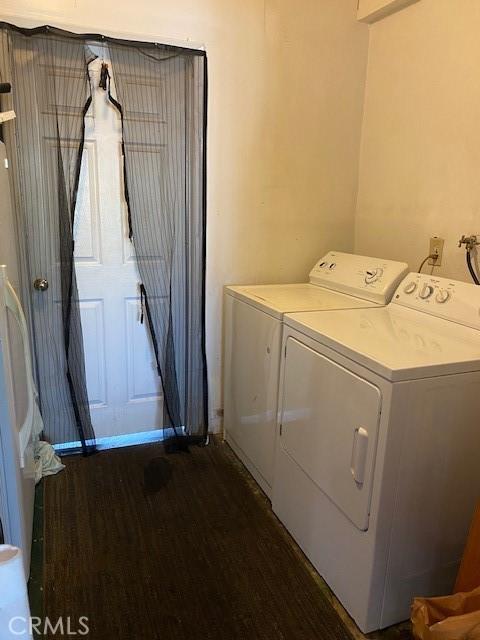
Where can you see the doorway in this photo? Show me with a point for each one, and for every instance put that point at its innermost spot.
(110, 194)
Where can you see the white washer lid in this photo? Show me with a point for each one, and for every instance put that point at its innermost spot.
(395, 342)
(278, 299)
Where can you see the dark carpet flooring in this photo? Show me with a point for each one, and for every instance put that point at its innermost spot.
(152, 546)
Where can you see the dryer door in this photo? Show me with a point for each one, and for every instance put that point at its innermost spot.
(330, 419)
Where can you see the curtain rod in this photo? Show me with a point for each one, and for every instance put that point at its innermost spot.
(88, 37)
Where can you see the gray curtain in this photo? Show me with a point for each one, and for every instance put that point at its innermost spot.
(160, 93)
(51, 93)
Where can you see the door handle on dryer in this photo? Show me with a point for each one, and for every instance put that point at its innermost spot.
(359, 454)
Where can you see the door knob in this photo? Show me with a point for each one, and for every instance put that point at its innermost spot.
(41, 284)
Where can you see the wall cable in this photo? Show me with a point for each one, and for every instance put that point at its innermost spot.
(431, 256)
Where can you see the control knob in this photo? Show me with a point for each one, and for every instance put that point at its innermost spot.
(410, 287)
(442, 296)
(426, 291)
(372, 275)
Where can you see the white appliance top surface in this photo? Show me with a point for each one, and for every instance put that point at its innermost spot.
(279, 299)
(395, 342)
(337, 281)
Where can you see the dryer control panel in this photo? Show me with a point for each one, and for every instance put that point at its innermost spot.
(372, 279)
(448, 299)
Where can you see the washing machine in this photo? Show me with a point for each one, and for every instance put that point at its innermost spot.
(377, 456)
(253, 334)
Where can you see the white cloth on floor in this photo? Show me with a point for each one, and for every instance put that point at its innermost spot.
(14, 607)
(47, 463)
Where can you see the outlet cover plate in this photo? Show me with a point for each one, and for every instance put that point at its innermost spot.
(436, 247)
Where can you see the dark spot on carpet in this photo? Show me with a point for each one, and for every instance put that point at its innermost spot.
(157, 473)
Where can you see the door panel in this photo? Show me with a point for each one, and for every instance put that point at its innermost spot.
(330, 419)
(143, 379)
(87, 217)
(92, 314)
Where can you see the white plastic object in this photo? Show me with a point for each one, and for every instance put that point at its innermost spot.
(14, 607)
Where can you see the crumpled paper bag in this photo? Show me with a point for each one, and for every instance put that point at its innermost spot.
(455, 617)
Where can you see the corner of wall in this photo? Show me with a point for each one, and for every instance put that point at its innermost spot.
(361, 140)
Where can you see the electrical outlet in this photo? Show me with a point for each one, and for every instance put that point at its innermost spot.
(436, 248)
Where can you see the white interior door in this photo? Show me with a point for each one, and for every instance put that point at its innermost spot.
(123, 386)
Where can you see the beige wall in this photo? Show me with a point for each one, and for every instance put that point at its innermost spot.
(286, 96)
(420, 153)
